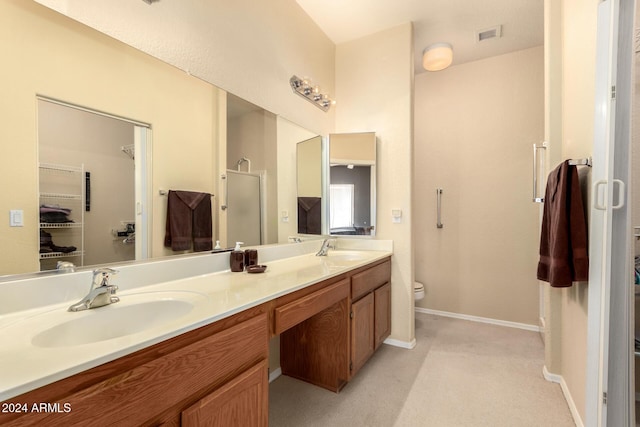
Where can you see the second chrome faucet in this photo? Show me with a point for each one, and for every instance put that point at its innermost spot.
(326, 245)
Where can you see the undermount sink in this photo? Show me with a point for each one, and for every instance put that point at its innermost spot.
(134, 313)
(344, 256)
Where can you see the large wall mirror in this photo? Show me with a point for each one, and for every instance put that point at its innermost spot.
(194, 142)
(352, 184)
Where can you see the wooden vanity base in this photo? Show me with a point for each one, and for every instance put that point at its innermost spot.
(328, 348)
(218, 374)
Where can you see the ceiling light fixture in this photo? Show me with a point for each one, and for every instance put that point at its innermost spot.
(305, 89)
(437, 57)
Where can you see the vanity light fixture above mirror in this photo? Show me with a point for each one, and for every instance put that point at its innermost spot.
(311, 93)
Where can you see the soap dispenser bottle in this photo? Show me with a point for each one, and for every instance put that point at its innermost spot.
(237, 258)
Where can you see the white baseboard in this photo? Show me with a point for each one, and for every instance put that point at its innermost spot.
(275, 374)
(506, 323)
(402, 344)
(555, 378)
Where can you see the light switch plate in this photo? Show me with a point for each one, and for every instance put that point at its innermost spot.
(16, 218)
(396, 215)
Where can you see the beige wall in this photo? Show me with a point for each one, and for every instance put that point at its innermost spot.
(309, 168)
(474, 128)
(289, 134)
(46, 53)
(572, 37)
(374, 86)
(356, 148)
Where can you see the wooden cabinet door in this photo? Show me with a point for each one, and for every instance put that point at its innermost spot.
(382, 323)
(362, 338)
(242, 402)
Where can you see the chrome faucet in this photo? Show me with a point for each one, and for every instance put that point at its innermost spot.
(326, 245)
(101, 292)
(65, 267)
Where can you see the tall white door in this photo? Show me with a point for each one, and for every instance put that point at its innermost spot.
(610, 340)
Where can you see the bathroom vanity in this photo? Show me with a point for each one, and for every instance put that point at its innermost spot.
(330, 330)
(331, 313)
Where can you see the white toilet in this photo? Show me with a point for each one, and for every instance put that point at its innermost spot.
(418, 291)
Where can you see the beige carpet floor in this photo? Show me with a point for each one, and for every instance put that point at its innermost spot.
(460, 373)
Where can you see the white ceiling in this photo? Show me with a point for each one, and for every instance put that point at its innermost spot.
(452, 21)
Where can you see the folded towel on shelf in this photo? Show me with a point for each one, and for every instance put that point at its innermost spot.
(54, 218)
(563, 239)
(54, 214)
(54, 208)
(188, 221)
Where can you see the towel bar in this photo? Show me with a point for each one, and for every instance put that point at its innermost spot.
(165, 192)
(537, 147)
(537, 168)
(581, 162)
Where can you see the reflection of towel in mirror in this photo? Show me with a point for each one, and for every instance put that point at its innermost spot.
(309, 215)
(563, 240)
(188, 220)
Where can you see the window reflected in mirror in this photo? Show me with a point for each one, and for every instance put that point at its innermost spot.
(342, 209)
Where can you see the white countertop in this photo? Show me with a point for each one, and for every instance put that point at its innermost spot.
(25, 366)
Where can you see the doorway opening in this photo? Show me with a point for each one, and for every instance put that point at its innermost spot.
(93, 179)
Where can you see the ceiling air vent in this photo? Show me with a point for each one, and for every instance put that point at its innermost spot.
(489, 33)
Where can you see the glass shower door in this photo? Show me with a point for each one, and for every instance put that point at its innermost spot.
(244, 217)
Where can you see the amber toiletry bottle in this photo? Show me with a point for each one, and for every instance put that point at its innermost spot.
(250, 257)
(236, 261)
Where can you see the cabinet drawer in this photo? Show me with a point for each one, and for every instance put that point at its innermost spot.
(368, 280)
(301, 309)
(141, 394)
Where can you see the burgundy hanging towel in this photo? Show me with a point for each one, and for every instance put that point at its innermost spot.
(563, 240)
(188, 220)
